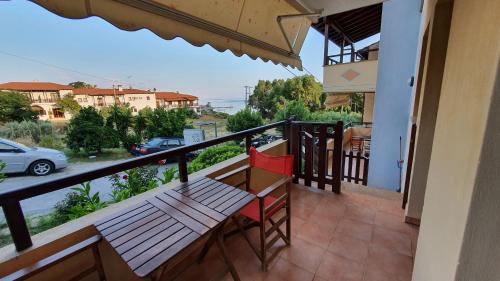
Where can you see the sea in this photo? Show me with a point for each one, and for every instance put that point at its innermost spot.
(230, 106)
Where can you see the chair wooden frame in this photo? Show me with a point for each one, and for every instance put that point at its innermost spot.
(265, 214)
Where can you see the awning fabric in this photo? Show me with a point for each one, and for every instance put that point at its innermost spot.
(243, 26)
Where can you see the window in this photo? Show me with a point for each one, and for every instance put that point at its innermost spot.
(85, 99)
(6, 148)
(173, 143)
(147, 98)
(129, 98)
(79, 99)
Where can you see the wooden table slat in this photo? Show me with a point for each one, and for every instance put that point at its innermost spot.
(143, 230)
(189, 211)
(202, 189)
(227, 196)
(124, 213)
(125, 223)
(236, 207)
(219, 190)
(158, 260)
(178, 215)
(145, 245)
(133, 226)
(159, 247)
(196, 205)
(191, 184)
(148, 234)
(229, 202)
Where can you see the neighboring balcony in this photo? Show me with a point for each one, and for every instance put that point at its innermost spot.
(355, 77)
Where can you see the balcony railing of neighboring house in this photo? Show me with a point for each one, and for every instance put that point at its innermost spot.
(47, 100)
(351, 56)
(303, 139)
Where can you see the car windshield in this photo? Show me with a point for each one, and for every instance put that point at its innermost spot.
(155, 142)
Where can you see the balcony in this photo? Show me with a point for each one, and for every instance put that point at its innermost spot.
(355, 233)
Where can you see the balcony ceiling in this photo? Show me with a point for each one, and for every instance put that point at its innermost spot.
(356, 24)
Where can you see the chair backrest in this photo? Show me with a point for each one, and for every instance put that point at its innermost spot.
(276, 164)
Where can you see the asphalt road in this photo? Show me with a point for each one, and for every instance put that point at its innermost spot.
(45, 203)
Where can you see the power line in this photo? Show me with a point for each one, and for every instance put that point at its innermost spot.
(289, 70)
(61, 67)
(311, 74)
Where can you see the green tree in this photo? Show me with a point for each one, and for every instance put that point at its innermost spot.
(15, 106)
(142, 121)
(296, 109)
(80, 84)
(243, 120)
(86, 131)
(69, 104)
(165, 123)
(268, 96)
(120, 120)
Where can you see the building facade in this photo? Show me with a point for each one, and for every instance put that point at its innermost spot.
(173, 100)
(99, 98)
(43, 97)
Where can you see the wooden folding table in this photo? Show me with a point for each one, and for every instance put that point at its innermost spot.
(151, 235)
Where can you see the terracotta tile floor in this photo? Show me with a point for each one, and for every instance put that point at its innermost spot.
(356, 236)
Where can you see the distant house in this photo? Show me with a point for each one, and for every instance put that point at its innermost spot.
(98, 98)
(172, 100)
(43, 97)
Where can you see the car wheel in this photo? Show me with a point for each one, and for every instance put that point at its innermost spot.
(41, 168)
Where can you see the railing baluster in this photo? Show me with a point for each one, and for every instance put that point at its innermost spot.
(183, 172)
(337, 156)
(366, 161)
(17, 225)
(296, 152)
(358, 160)
(308, 167)
(248, 143)
(349, 168)
(322, 153)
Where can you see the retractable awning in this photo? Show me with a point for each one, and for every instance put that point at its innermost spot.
(268, 29)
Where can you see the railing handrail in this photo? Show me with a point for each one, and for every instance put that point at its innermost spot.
(69, 180)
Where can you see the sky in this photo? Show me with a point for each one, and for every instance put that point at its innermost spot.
(37, 45)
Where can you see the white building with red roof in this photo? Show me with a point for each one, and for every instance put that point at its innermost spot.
(172, 100)
(43, 97)
(99, 98)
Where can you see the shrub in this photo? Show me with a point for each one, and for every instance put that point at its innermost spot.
(85, 130)
(214, 155)
(51, 142)
(15, 106)
(86, 202)
(168, 175)
(295, 109)
(120, 120)
(243, 120)
(165, 123)
(135, 181)
(334, 116)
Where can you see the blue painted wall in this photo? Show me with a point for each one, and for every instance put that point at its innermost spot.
(397, 56)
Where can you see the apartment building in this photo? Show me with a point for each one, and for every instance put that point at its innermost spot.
(99, 98)
(43, 97)
(172, 100)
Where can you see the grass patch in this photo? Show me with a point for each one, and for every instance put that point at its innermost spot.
(107, 154)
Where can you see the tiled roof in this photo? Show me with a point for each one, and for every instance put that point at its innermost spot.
(34, 86)
(108, 92)
(174, 96)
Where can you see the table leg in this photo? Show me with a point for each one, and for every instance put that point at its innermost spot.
(227, 260)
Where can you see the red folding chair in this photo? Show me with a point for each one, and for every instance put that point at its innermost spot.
(266, 206)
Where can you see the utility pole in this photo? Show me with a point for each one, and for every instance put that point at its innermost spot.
(248, 90)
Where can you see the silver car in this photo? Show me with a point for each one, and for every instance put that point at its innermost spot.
(37, 161)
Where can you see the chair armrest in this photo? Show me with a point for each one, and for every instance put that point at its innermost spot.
(232, 173)
(273, 187)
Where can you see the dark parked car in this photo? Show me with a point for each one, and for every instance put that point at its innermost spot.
(160, 144)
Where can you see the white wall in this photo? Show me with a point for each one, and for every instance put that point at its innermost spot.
(397, 54)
